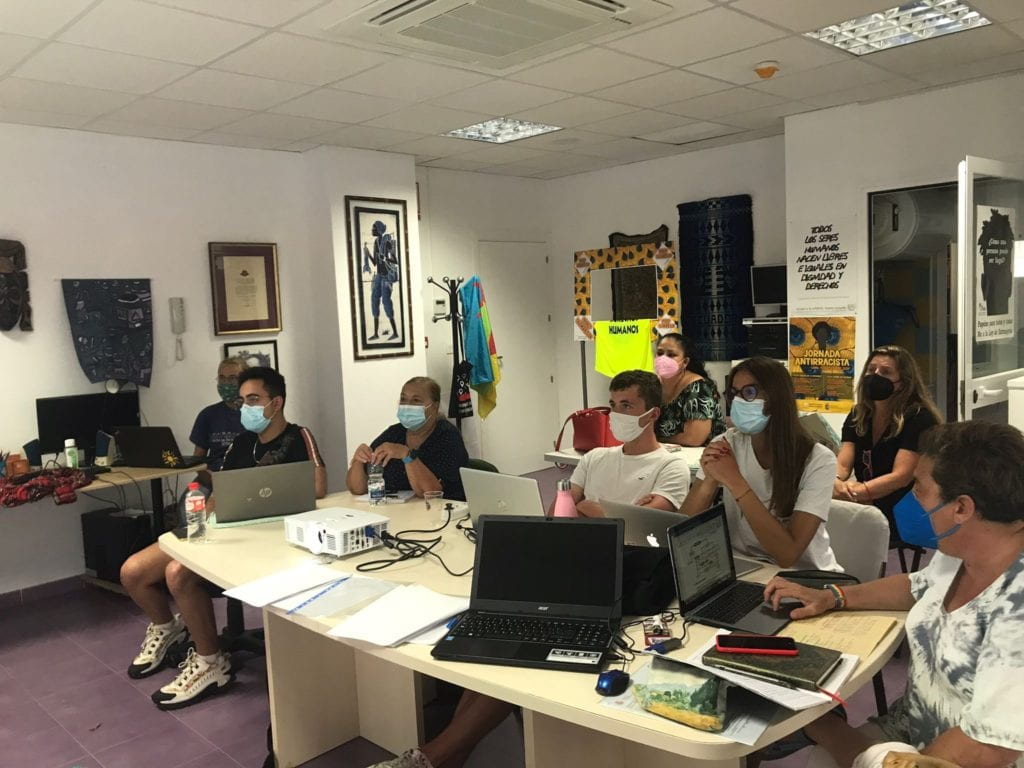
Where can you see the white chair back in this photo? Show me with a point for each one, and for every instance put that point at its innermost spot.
(859, 535)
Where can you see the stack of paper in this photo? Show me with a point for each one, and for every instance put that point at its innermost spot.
(284, 583)
(857, 634)
(402, 613)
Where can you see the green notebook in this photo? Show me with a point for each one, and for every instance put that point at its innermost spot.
(808, 669)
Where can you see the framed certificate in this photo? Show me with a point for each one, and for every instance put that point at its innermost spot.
(246, 298)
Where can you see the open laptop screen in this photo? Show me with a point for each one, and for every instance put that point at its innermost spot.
(558, 563)
(701, 556)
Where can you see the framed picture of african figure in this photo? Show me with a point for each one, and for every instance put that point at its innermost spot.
(378, 270)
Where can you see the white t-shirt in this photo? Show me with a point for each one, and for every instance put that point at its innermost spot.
(966, 666)
(608, 473)
(814, 498)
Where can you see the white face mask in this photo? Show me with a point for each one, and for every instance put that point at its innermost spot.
(626, 428)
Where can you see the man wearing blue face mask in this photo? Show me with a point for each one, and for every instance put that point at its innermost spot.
(218, 424)
(421, 453)
(776, 480)
(965, 684)
(268, 439)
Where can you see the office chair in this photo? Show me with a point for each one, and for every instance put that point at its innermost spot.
(481, 465)
(859, 535)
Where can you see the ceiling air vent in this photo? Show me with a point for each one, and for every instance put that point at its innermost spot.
(494, 34)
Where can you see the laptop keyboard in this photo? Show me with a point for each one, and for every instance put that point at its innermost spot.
(741, 598)
(496, 626)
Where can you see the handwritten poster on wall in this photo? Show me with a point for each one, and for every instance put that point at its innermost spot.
(994, 315)
(821, 362)
(823, 272)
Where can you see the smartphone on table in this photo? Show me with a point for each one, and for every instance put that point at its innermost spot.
(769, 645)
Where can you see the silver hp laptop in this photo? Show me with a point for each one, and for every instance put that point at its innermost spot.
(491, 493)
(649, 526)
(709, 592)
(274, 490)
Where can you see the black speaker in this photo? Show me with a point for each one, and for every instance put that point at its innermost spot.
(109, 537)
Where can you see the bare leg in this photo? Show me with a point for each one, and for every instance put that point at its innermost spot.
(196, 607)
(143, 576)
(838, 738)
(475, 717)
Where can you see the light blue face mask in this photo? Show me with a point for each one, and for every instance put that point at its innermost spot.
(412, 416)
(914, 522)
(748, 416)
(253, 418)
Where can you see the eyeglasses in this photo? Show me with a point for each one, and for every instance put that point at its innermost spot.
(865, 457)
(748, 393)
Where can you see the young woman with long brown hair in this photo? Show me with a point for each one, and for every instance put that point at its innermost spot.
(880, 436)
(776, 480)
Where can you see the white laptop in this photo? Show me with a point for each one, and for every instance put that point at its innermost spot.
(649, 526)
(255, 493)
(491, 493)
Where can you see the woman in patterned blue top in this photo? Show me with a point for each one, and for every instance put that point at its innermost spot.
(965, 626)
(691, 411)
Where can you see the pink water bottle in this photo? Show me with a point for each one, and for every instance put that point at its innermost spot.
(564, 505)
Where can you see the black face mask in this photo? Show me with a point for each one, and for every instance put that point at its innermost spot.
(879, 387)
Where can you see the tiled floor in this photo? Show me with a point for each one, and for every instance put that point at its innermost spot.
(65, 701)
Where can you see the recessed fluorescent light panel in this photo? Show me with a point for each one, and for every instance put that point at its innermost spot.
(902, 25)
(502, 130)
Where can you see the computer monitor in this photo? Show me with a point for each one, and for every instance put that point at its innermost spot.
(81, 416)
(768, 284)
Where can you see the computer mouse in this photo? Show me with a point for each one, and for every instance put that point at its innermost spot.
(786, 605)
(612, 683)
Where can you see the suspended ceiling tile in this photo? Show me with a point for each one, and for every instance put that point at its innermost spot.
(722, 103)
(574, 111)
(340, 106)
(427, 118)
(265, 13)
(284, 127)
(456, 163)
(36, 117)
(695, 38)
(41, 96)
(142, 130)
(767, 116)
(793, 54)
(559, 141)
(500, 97)
(366, 137)
(691, 132)
(178, 114)
(229, 89)
(663, 88)
(869, 92)
(36, 18)
(977, 69)
(948, 50)
(411, 80)
(588, 70)
(637, 123)
(14, 48)
(827, 79)
(130, 26)
(808, 15)
(93, 68)
(435, 146)
(232, 140)
(282, 56)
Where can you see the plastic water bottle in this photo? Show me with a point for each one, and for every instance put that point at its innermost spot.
(564, 505)
(375, 484)
(195, 514)
(70, 453)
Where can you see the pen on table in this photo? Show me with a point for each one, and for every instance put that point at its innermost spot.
(318, 595)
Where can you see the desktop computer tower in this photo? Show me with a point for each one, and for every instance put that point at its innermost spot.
(110, 536)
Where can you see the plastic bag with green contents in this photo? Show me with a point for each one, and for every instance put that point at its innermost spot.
(684, 694)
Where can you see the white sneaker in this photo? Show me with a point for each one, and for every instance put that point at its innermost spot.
(155, 645)
(411, 758)
(196, 681)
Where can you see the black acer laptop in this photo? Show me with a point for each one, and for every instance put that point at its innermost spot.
(709, 592)
(546, 593)
(152, 447)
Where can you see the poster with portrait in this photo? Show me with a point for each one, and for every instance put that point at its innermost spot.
(821, 362)
(378, 269)
(993, 287)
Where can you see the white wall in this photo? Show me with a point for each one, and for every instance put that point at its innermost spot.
(637, 198)
(459, 211)
(835, 157)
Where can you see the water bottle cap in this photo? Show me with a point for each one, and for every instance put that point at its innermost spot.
(193, 486)
(69, 443)
(564, 484)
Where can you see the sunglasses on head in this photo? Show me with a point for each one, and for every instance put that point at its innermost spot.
(748, 393)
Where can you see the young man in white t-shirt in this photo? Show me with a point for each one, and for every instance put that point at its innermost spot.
(640, 471)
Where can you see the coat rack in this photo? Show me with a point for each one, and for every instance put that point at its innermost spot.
(451, 289)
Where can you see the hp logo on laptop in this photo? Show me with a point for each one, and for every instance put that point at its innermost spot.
(265, 493)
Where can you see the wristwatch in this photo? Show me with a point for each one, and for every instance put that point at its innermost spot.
(413, 455)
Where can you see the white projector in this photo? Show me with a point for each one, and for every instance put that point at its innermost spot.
(335, 531)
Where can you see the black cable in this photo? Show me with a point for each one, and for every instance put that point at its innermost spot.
(138, 488)
(120, 490)
(409, 549)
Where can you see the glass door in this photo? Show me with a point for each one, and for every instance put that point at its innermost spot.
(989, 285)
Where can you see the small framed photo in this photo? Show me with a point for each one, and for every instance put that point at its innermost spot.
(246, 297)
(255, 353)
(378, 270)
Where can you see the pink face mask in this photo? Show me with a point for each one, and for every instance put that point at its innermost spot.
(666, 367)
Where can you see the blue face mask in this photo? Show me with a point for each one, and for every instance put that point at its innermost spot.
(748, 416)
(253, 418)
(412, 416)
(914, 522)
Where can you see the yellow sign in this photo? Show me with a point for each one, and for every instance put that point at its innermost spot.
(821, 362)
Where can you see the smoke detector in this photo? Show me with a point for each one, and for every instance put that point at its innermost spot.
(766, 69)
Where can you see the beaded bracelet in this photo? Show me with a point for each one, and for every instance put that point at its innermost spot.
(838, 595)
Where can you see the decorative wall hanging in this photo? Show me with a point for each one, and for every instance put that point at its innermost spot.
(378, 270)
(112, 328)
(246, 297)
(14, 304)
(716, 250)
(255, 353)
(821, 362)
(661, 256)
(659, 235)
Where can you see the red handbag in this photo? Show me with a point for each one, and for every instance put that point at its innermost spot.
(590, 429)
